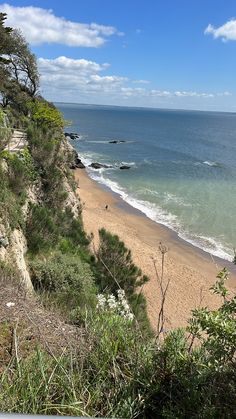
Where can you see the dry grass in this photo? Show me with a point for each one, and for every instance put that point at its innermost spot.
(33, 326)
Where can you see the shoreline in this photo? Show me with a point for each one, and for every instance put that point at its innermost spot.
(191, 271)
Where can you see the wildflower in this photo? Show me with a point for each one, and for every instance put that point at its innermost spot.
(129, 316)
(121, 294)
(111, 301)
(101, 301)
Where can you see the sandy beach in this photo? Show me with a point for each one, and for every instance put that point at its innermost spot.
(191, 271)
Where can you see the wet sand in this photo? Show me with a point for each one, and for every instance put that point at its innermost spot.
(191, 272)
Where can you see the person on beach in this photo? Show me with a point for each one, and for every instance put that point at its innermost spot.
(106, 207)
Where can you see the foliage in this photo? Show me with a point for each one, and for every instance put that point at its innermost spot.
(46, 228)
(216, 329)
(115, 268)
(66, 277)
(10, 208)
(21, 170)
(45, 113)
(5, 130)
(8, 273)
(22, 65)
(5, 40)
(18, 69)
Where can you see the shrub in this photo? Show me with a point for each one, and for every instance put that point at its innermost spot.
(41, 230)
(5, 130)
(7, 273)
(67, 278)
(115, 268)
(10, 208)
(44, 112)
(21, 170)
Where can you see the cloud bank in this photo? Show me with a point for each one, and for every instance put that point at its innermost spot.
(41, 26)
(79, 79)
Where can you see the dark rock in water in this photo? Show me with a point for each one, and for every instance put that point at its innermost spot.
(77, 163)
(72, 135)
(116, 141)
(124, 167)
(99, 166)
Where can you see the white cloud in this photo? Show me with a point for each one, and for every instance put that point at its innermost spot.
(224, 94)
(227, 31)
(77, 80)
(77, 75)
(69, 65)
(141, 81)
(107, 79)
(193, 94)
(41, 26)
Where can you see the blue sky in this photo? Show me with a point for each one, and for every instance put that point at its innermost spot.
(133, 52)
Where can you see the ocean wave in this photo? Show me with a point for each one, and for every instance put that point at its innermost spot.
(208, 163)
(159, 215)
(173, 198)
(88, 158)
(212, 163)
(128, 163)
(209, 245)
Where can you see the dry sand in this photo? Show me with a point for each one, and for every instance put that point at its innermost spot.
(191, 271)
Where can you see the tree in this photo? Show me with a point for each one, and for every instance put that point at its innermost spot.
(5, 38)
(22, 65)
(19, 79)
(115, 267)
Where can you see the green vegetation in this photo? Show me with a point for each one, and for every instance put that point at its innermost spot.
(117, 368)
(121, 374)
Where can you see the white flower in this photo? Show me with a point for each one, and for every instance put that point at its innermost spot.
(126, 306)
(101, 301)
(129, 316)
(121, 294)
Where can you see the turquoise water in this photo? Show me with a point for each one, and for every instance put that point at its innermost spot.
(183, 166)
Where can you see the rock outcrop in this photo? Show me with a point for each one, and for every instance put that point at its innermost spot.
(99, 166)
(124, 167)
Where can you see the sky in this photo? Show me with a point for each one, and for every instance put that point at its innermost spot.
(177, 54)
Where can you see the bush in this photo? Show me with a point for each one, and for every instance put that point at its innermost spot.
(115, 268)
(41, 230)
(21, 170)
(5, 130)
(47, 228)
(66, 278)
(10, 208)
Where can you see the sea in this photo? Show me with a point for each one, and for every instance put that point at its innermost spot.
(182, 166)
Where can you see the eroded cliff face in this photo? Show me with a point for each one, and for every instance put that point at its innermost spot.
(13, 242)
(72, 201)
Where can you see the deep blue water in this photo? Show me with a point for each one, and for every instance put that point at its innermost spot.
(183, 166)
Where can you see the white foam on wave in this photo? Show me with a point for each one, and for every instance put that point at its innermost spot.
(128, 163)
(173, 198)
(209, 245)
(211, 163)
